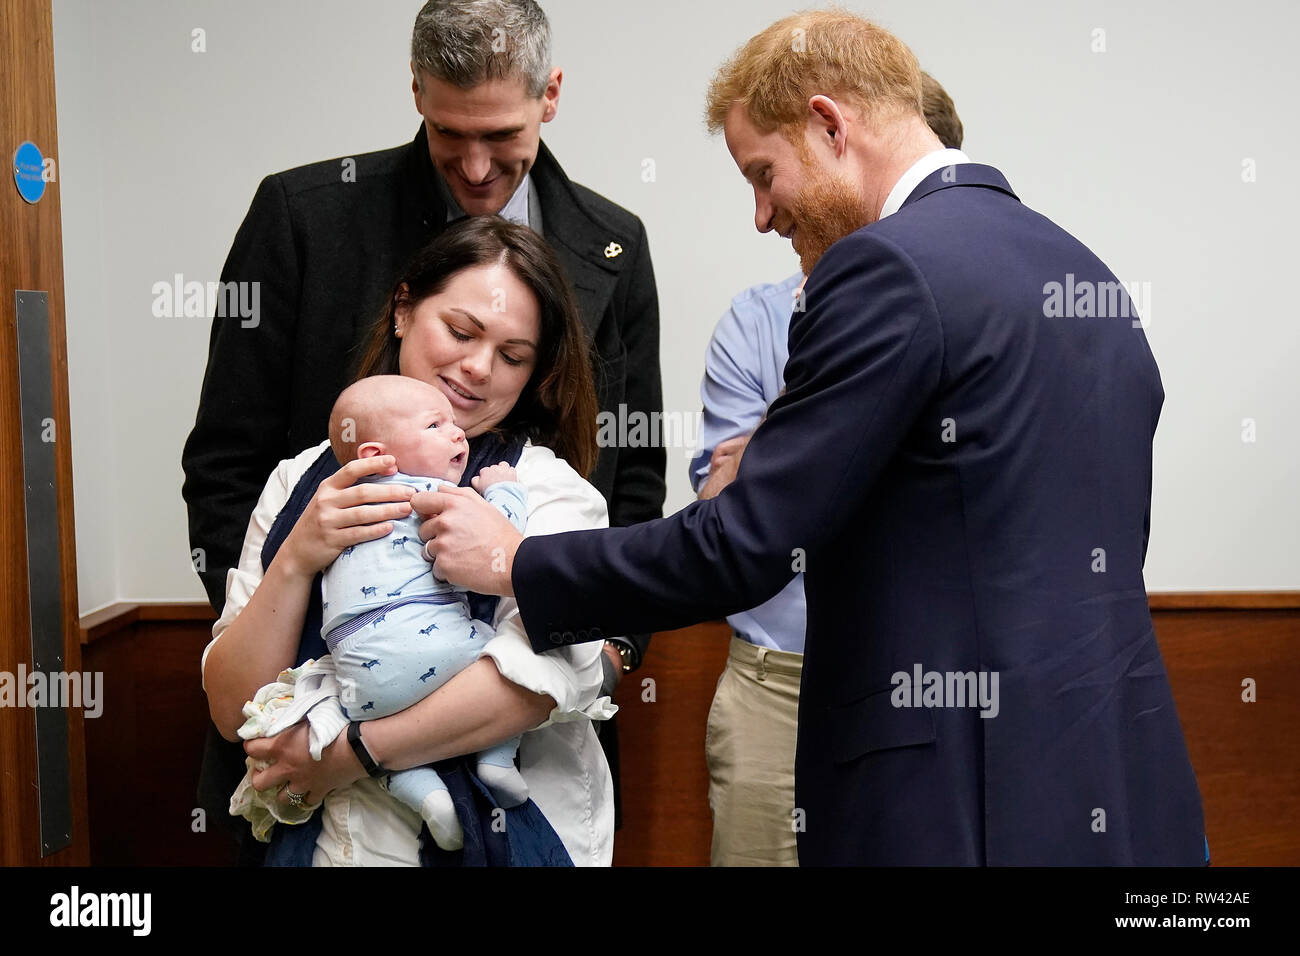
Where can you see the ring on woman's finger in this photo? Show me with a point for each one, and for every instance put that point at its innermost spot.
(295, 798)
(427, 555)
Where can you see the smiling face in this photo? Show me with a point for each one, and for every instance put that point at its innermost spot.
(476, 341)
(484, 140)
(795, 194)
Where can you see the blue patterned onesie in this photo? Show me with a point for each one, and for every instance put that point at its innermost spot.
(397, 634)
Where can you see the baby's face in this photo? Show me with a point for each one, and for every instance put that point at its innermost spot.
(425, 439)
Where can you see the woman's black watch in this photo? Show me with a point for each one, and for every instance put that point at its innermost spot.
(368, 763)
(627, 653)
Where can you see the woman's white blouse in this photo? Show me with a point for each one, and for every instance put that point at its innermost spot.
(561, 759)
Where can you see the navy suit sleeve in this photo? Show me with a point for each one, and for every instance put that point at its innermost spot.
(865, 358)
(241, 429)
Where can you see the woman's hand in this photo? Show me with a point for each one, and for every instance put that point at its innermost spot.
(343, 513)
(292, 766)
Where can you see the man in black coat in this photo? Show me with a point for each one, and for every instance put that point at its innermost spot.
(325, 242)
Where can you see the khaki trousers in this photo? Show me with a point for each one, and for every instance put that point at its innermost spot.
(749, 746)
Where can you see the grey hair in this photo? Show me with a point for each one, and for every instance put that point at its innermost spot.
(467, 42)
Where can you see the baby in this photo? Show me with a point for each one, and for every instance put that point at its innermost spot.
(396, 632)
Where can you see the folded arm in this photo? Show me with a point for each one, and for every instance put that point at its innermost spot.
(732, 398)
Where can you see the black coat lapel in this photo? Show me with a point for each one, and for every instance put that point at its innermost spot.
(579, 239)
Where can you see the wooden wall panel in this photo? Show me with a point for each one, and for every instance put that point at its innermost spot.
(665, 781)
(143, 754)
(1246, 755)
(144, 765)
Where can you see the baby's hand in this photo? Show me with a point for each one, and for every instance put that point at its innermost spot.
(492, 474)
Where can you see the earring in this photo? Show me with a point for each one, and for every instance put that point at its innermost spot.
(397, 330)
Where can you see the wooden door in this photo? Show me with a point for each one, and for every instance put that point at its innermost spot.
(42, 774)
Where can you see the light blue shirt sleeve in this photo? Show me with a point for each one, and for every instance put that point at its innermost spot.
(744, 368)
(744, 372)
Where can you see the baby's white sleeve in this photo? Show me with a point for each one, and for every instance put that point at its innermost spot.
(559, 499)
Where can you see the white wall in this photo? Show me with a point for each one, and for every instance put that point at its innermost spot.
(1138, 150)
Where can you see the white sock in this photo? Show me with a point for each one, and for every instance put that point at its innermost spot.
(439, 813)
(506, 784)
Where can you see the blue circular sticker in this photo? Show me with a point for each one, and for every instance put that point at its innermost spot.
(28, 168)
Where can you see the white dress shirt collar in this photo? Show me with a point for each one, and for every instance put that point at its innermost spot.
(927, 164)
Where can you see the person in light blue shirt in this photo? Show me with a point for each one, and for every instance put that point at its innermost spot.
(753, 722)
(754, 717)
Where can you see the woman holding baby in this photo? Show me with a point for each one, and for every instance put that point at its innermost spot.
(485, 315)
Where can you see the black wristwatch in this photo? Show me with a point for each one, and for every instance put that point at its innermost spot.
(368, 763)
(628, 654)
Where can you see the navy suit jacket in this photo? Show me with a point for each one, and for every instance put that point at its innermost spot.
(964, 474)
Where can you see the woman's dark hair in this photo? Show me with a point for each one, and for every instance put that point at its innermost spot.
(557, 406)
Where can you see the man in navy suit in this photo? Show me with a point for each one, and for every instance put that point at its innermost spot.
(961, 463)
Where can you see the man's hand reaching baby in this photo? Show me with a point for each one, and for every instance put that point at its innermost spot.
(471, 543)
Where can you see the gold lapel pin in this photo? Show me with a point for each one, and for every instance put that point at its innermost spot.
(612, 250)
